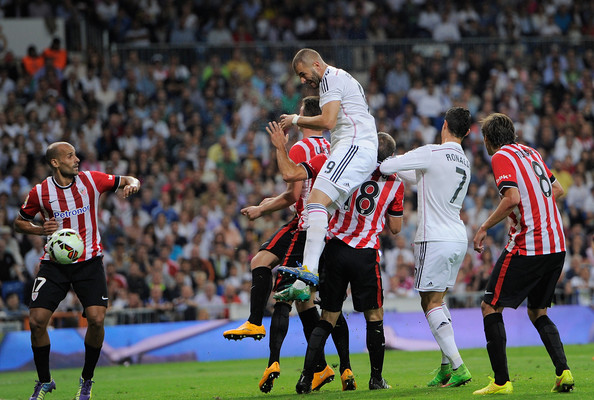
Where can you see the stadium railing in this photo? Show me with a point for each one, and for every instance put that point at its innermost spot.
(359, 55)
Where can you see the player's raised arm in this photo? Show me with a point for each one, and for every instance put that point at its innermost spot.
(291, 172)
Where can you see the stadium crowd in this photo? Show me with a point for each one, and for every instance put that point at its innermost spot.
(194, 134)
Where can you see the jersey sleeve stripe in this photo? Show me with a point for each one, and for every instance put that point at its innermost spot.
(506, 184)
(395, 213)
(310, 172)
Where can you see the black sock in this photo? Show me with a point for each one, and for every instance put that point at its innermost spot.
(316, 343)
(309, 319)
(376, 344)
(279, 325)
(550, 337)
(496, 342)
(41, 358)
(340, 337)
(261, 288)
(91, 357)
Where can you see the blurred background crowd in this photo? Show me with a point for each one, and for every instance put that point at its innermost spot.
(181, 98)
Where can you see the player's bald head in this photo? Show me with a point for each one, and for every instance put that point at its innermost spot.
(306, 57)
(55, 149)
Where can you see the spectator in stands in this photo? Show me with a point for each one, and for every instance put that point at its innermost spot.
(159, 305)
(56, 53)
(33, 256)
(32, 62)
(210, 301)
(15, 309)
(219, 35)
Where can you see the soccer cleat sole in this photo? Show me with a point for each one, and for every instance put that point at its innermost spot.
(565, 387)
(309, 278)
(348, 381)
(457, 384)
(233, 336)
(266, 387)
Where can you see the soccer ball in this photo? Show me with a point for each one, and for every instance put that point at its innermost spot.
(65, 246)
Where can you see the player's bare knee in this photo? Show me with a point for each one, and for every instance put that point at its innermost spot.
(263, 258)
(376, 314)
(95, 319)
(536, 313)
(38, 325)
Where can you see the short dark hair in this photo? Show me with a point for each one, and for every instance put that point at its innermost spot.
(458, 119)
(499, 130)
(386, 146)
(306, 56)
(311, 106)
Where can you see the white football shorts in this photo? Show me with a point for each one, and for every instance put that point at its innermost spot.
(344, 171)
(437, 264)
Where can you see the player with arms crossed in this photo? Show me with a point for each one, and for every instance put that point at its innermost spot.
(531, 263)
(69, 199)
(286, 245)
(353, 152)
(351, 255)
(442, 175)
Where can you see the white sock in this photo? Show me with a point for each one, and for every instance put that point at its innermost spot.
(444, 335)
(317, 219)
(446, 311)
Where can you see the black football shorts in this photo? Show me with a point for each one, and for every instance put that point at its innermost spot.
(515, 278)
(359, 267)
(54, 281)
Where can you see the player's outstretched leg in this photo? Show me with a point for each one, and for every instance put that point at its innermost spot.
(270, 374)
(41, 389)
(84, 389)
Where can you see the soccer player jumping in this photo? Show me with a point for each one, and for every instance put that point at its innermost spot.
(353, 153)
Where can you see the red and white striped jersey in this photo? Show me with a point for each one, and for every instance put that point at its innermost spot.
(303, 151)
(360, 222)
(74, 206)
(536, 226)
(363, 217)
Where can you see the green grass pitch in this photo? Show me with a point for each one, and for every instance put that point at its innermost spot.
(531, 372)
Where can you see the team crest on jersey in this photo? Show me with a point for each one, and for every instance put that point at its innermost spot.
(82, 190)
(34, 296)
(110, 177)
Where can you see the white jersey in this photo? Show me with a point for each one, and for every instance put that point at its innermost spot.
(443, 175)
(354, 124)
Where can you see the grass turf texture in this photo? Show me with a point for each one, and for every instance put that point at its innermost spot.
(531, 372)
